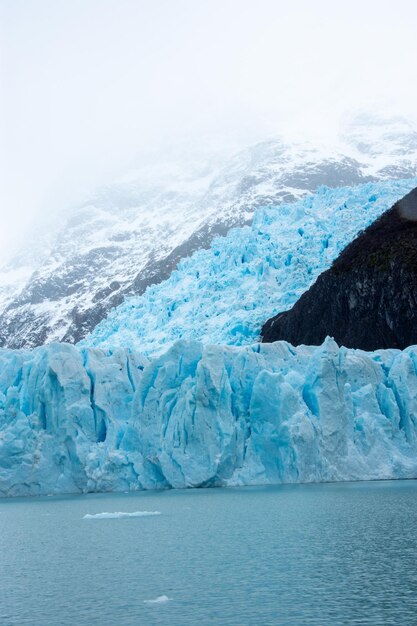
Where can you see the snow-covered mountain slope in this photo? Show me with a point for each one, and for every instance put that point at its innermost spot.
(133, 233)
(390, 148)
(73, 420)
(225, 294)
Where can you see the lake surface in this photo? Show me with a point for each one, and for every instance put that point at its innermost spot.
(297, 555)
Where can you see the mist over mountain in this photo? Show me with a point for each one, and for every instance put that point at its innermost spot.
(132, 233)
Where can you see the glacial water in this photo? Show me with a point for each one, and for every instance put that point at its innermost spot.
(329, 554)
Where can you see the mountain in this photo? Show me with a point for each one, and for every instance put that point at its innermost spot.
(133, 233)
(368, 298)
(224, 294)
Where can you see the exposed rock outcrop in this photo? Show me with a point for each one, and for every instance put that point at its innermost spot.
(368, 298)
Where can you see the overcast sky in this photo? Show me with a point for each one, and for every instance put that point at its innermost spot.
(86, 85)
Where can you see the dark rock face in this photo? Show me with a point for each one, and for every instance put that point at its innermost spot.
(368, 298)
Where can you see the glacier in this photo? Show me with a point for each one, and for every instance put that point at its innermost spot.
(78, 420)
(223, 295)
(172, 390)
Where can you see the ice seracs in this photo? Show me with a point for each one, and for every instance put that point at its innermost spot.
(225, 294)
(76, 420)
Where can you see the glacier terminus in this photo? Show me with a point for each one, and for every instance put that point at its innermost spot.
(77, 420)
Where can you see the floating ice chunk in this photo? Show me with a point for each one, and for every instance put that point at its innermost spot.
(158, 600)
(121, 514)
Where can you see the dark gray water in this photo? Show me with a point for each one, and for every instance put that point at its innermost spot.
(288, 555)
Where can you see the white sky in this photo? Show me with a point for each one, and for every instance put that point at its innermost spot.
(86, 85)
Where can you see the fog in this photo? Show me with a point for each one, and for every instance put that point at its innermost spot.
(88, 86)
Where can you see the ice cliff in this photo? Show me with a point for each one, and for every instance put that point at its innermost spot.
(75, 420)
(225, 294)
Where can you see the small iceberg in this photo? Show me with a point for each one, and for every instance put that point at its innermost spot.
(158, 600)
(121, 515)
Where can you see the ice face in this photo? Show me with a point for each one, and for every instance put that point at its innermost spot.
(225, 294)
(75, 420)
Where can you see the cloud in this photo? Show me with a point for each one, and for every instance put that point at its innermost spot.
(89, 85)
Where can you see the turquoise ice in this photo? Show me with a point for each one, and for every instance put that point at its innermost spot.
(76, 420)
(224, 294)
